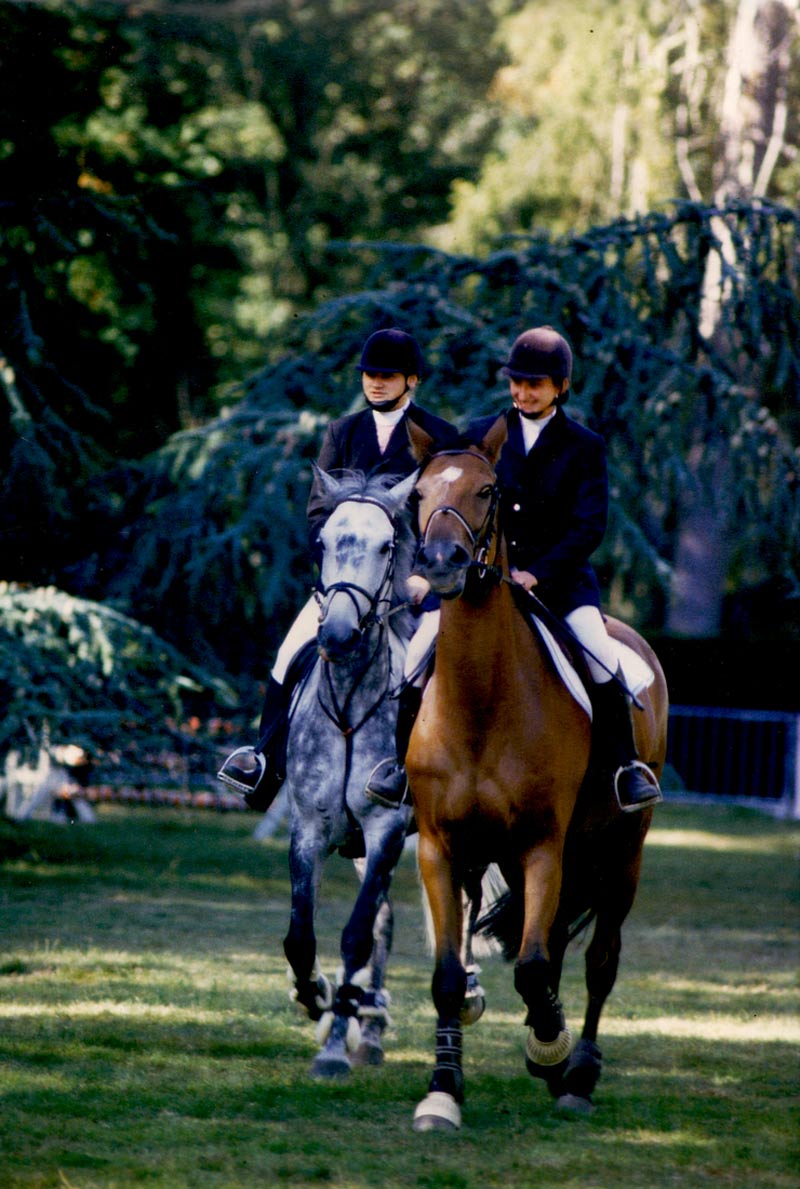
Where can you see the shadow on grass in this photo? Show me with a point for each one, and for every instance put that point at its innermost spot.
(146, 1035)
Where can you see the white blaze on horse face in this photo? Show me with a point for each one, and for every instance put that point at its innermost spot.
(439, 491)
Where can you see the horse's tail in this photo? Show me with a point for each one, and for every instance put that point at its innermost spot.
(503, 921)
(493, 890)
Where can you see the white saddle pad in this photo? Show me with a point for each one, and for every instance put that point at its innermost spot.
(636, 673)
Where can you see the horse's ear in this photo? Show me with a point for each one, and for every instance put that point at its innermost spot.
(396, 497)
(495, 439)
(324, 486)
(420, 441)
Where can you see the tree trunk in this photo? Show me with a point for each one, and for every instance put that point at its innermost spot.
(702, 553)
(752, 124)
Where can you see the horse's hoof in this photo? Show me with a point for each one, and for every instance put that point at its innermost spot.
(330, 1068)
(368, 1054)
(437, 1112)
(473, 1009)
(572, 1104)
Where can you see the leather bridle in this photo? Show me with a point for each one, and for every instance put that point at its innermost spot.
(381, 595)
(480, 539)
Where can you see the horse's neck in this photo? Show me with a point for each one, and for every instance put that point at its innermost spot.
(480, 641)
(357, 676)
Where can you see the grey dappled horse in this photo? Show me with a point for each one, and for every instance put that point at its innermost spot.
(342, 724)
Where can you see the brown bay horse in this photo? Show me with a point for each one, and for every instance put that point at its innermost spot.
(498, 765)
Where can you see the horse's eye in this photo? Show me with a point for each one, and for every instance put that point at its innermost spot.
(485, 493)
(385, 547)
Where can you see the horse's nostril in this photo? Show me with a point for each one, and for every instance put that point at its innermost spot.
(442, 555)
(337, 642)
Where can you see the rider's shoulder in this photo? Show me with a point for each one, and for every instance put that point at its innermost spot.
(579, 432)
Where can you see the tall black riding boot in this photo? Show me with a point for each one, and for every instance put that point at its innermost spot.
(635, 784)
(257, 771)
(387, 783)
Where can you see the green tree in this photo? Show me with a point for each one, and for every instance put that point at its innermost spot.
(615, 110)
(169, 197)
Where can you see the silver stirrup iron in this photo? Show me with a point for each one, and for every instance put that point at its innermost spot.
(651, 776)
(240, 787)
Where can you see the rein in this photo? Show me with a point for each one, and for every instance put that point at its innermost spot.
(558, 625)
(340, 716)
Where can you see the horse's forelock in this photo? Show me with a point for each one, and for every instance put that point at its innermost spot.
(348, 484)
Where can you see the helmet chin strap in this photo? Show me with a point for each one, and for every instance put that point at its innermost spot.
(386, 406)
(537, 416)
(544, 412)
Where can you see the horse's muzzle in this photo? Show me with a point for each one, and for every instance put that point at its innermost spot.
(336, 640)
(444, 564)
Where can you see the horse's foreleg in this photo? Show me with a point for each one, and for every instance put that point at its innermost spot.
(440, 1110)
(340, 1030)
(311, 990)
(549, 1039)
(373, 1012)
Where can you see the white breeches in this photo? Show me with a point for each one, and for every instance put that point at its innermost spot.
(305, 628)
(419, 644)
(588, 625)
(302, 630)
(586, 622)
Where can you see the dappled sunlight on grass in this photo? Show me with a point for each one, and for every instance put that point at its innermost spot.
(88, 1009)
(147, 1035)
(711, 840)
(781, 985)
(660, 1139)
(711, 1027)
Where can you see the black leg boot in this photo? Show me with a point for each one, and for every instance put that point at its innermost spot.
(387, 783)
(255, 771)
(635, 784)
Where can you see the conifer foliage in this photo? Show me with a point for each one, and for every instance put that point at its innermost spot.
(77, 672)
(214, 556)
(204, 541)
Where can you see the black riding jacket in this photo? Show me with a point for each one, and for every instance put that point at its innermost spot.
(553, 506)
(351, 443)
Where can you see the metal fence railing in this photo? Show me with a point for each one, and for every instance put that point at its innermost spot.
(747, 755)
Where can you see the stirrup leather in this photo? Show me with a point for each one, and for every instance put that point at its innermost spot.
(227, 778)
(656, 795)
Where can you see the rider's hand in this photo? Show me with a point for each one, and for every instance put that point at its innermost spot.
(417, 588)
(524, 578)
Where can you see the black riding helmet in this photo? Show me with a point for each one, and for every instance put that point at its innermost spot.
(391, 351)
(538, 353)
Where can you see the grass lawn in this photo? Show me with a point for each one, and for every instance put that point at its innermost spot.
(147, 1038)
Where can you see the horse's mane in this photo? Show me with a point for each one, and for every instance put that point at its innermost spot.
(356, 484)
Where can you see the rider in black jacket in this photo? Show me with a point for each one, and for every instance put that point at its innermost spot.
(553, 509)
(375, 441)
